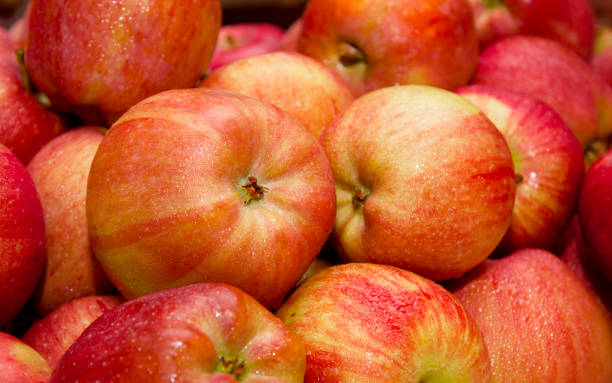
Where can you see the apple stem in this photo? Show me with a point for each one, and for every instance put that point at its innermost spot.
(232, 366)
(253, 190)
(350, 55)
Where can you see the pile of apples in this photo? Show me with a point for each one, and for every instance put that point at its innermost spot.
(386, 191)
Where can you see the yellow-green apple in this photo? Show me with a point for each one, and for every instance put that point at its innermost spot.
(571, 22)
(289, 41)
(424, 181)
(59, 171)
(548, 163)
(595, 212)
(207, 185)
(53, 334)
(539, 322)
(22, 235)
(601, 60)
(206, 332)
(20, 363)
(25, 124)
(377, 43)
(296, 83)
(242, 40)
(97, 58)
(554, 74)
(364, 322)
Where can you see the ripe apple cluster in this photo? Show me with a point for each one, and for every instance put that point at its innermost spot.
(383, 191)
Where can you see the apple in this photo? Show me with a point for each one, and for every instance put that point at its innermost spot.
(97, 58)
(242, 40)
(25, 124)
(22, 236)
(18, 31)
(595, 212)
(373, 44)
(207, 185)
(363, 322)
(570, 22)
(296, 83)
(59, 171)
(548, 163)
(52, 335)
(289, 41)
(205, 332)
(601, 59)
(20, 363)
(554, 74)
(424, 181)
(538, 321)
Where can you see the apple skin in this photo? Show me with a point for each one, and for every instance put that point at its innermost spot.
(169, 201)
(571, 23)
(239, 41)
(373, 44)
(296, 83)
(181, 335)
(22, 236)
(554, 74)
(548, 162)
(364, 322)
(424, 181)
(601, 60)
(59, 171)
(53, 334)
(25, 125)
(98, 58)
(595, 212)
(20, 363)
(289, 41)
(539, 322)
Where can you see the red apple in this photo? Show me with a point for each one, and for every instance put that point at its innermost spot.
(289, 41)
(595, 212)
(97, 57)
(201, 185)
(20, 363)
(52, 335)
(298, 84)
(377, 323)
(198, 333)
(239, 41)
(59, 171)
(25, 124)
(548, 163)
(424, 181)
(554, 74)
(570, 22)
(22, 236)
(602, 52)
(373, 44)
(539, 322)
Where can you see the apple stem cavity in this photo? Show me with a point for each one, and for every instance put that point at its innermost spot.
(232, 366)
(350, 55)
(254, 191)
(359, 197)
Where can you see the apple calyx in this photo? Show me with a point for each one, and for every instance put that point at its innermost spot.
(518, 178)
(253, 190)
(349, 55)
(233, 366)
(359, 197)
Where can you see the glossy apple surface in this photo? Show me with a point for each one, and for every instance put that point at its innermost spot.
(98, 58)
(554, 74)
(52, 335)
(539, 322)
(59, 171)
(20, 363)
(373, 44)
(22, 236)
(296, 83)
(424, 181)
(548, 163)
(198, 333)
(363, 322)
(239, 41)
(200, 185)
(595, 212)
(601, 60)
